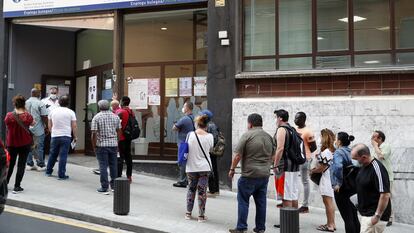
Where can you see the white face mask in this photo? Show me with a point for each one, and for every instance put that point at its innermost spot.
(53, 97)
(183, 110)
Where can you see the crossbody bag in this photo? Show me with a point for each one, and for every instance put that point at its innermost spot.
(20, 123)
(205, 155)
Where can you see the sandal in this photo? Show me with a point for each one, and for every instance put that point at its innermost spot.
(188, 216)
(325, 228)
(202, 218)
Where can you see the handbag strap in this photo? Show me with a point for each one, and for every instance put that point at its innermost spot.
(205, 156)
(16, 117)
(192, 122)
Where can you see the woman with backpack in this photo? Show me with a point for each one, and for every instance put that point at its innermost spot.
(341, 160)
(198, 167)
(19, 139)
(324, 160)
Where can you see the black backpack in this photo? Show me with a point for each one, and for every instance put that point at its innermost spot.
(132, 130)
(296, 148)
(349, 174)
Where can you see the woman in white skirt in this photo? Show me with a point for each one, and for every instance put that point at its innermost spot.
(325, 187)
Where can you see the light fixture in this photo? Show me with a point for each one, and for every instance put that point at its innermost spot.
(321, 38)
(356, 19)
(164, 29)
(372, 62)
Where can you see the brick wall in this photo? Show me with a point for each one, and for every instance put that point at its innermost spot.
(357, 85)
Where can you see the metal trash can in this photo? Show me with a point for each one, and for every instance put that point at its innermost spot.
(121, 196)
(289, 220)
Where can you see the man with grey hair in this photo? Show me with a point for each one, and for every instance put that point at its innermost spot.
(373, 189)
(106, 130)
(39, 113)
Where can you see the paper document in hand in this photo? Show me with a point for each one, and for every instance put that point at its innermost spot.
(73, 144)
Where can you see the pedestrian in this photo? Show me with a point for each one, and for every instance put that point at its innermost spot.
(198, 167)
(284, 136)
(183, 127)
(18, 140)
(383, 154)
(114, 105)
(255, 150)
(124, 144)
(308, 138)
(105, 128)
(373, 189)
(325, 185)
(51, 102)
(213, 180)
(62, 123)
(39, 113)
(342, 159)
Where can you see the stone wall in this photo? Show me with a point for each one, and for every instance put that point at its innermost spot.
(359, 116)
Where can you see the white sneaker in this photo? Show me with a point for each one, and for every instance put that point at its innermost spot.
(40, 169)
(30, 168)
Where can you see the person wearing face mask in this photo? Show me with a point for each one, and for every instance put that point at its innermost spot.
(52, 101)
(183, 127)
(341, 159)
(39, 113)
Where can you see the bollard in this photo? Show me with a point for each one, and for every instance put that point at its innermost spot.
(289, 220)
(121, 196)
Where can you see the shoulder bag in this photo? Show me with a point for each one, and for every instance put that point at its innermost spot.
(205, 156)
(20, 123)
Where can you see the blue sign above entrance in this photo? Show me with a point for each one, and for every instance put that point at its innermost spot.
(24, 8)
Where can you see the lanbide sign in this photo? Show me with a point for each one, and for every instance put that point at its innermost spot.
(24, 8)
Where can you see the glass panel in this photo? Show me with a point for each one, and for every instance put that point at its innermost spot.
(372, 60)
(260, 65)
(149, 118)
(259, 18)
(405, 58)
(95, 46)
(201, 42)
(333, 62)
(404, 23)
(295, 63)
(371, 24)
(332, 33)
(161, 36)
(295, 25)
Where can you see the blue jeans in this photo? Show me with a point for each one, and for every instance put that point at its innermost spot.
(107, 157)
(59, 146)
(37, 151)
(256, 187)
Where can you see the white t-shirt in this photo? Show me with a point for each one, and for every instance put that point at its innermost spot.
(50, 104)
(62, 121)
(196, 162)
(325, 186)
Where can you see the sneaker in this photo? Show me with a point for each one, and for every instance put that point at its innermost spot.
(276, 226)
(48, 174)
(30, 168)
(213, 195)
(17, 190)
(237, 231)
(389, 223)
(187, 216)
(303, 210)
(202, 218)
(40, 169)
(63, 178)
(180, 185)
(103, 191)
(258, 231)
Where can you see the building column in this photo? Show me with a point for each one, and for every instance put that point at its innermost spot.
(222, 61)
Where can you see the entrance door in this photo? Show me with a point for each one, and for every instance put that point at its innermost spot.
(98, 85)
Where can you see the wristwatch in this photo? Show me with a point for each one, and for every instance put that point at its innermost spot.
(377, 215)
(232, 169)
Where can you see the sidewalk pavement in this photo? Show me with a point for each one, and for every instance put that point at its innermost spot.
(156, 206)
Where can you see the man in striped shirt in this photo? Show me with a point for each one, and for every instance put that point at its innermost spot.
(373, 189)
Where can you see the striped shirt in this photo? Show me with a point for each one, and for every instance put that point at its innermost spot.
(372, 181)
(105, 123)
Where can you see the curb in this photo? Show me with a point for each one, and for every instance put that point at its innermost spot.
(80, 217)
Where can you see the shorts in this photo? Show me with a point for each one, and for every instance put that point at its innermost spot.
(291, 187)
(367, 227)
(280, 186)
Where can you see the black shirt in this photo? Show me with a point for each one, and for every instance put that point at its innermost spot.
(372, 180)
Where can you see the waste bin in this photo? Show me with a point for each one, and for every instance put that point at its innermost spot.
(121, 196)
(289, 220)
(140, 146)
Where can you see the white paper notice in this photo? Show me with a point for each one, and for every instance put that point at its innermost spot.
(185, 86)
(108, 84)
(154, 100)
(92, 89)
(200, 86)
(138, 92)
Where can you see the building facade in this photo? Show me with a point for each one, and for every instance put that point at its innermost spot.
(337, 60)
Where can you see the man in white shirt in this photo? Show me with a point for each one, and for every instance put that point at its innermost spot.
(52, 101)
(62, 122)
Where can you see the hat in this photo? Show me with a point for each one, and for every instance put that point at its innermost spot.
(208, 113)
